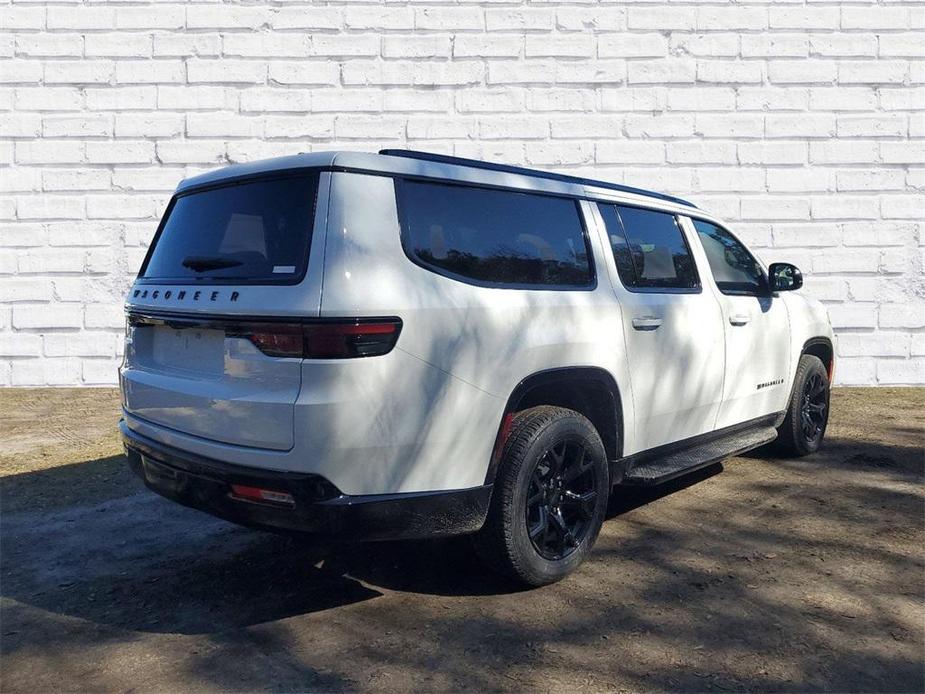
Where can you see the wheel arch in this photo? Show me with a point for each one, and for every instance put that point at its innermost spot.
(589, 390)
(822, 348)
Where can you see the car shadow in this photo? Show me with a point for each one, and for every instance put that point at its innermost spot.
(626, 499)
(126, 558)
(129, 559)
(897, 460)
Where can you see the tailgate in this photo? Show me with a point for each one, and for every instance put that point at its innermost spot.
(200, 377)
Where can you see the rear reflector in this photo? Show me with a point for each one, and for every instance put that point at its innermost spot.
(504, 433)
(240, 491)
(334, 339)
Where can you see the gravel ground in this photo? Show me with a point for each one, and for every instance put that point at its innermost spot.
(761, 574)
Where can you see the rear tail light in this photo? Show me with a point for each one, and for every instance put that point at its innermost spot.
(328, 339)
(276, 340)
(340, 340)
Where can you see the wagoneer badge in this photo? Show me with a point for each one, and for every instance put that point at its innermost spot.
(182, 295)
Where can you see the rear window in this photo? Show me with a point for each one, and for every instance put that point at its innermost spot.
(494, 237)
(250, 232)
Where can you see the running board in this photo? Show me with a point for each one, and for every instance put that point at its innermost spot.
(652, 471)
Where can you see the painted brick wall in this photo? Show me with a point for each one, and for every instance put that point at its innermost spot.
(802, 124)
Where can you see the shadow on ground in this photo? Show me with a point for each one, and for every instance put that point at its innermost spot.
(776, 574)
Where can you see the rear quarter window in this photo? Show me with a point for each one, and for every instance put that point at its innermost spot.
(256, 231)
(494, 237)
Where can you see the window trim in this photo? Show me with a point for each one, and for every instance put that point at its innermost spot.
(764, 292)
(398, 181)
(244, 180)
(650, 290)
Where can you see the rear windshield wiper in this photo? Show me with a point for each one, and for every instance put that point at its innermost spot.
(201, 262)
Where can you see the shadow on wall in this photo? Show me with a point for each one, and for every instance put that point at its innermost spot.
(104, 551)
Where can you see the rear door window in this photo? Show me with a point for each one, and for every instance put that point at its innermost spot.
(649, 249)
(495, 237)
(256, 231)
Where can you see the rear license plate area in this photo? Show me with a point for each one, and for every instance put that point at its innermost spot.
(194, 350)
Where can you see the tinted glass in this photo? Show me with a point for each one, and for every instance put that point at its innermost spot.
(250, 232)
(495, 236)
(652, 245)
(735, 269)
(621, 249)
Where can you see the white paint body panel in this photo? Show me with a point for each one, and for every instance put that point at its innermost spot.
(757, 350)
(675, 355)
(425, 416)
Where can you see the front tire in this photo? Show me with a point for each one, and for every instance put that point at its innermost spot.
(549, 499)
(808, 412)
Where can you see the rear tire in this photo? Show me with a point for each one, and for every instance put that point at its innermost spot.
(808, 412)
(550, 497)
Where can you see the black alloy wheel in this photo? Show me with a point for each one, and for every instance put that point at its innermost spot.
(549, 497)
(807, 415)
(561, 499)
(814, 408)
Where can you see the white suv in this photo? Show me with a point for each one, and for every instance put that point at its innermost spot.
(395, 345)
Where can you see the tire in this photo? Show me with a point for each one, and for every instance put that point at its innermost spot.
(544, 482)
(803, 428)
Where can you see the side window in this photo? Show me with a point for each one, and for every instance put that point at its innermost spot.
(735, 269)
(649, 248)
(494, 236)
(621, 249)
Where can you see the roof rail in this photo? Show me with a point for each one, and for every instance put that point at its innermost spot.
(506, 168)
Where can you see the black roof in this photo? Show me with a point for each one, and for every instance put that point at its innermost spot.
(506, 168)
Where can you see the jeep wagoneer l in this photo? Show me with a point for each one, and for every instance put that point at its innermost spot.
(403, 345)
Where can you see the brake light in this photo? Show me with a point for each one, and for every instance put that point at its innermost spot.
(334, 339)
(275, 340)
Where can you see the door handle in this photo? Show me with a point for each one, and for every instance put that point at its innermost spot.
(739, 319)
(647, 323)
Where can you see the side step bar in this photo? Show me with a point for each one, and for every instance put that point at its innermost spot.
(655, 470)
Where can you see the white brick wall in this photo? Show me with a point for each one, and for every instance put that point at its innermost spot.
(802, 124)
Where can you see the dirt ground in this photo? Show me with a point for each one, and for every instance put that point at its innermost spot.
(761, 574)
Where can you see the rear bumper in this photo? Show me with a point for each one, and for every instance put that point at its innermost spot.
(319, 507)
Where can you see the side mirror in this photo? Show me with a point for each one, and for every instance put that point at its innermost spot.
(784, 277)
